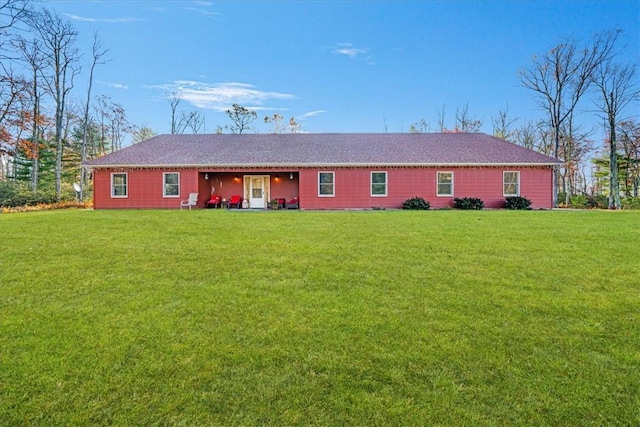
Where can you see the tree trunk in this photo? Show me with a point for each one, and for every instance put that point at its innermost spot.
(35, 140)
(614, 189)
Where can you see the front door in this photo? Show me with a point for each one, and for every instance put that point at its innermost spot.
(257, 192)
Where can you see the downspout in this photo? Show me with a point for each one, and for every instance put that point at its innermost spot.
(556, 172)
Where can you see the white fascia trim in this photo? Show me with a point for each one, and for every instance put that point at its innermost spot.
(323, 165)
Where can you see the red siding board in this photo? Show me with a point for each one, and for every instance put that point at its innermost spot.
(352, 187)
(144, 189)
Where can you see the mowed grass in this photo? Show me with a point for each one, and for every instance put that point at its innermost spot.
(211, 317)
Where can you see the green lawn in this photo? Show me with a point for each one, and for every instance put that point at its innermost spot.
(210, 317)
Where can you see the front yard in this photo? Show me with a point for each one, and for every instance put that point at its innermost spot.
(211, 317)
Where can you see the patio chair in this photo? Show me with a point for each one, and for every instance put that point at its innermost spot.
(235, 201)
(293, 203)
(214, 202)
(191, 201)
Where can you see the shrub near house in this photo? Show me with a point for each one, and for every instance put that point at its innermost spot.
(468, 203)
(517, 203)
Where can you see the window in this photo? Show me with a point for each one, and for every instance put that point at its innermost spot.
(326, 184)
(511, 183)
(119, 185)
(171, 186)
(378, 183)
(445, 184)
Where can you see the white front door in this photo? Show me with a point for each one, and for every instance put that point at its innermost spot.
(257, 191)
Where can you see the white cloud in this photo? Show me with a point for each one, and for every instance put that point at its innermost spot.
(201, 8)
(116, 85)
(220, 96)
(311, 114)
(203, 11)
(349, 50)
(125, 20)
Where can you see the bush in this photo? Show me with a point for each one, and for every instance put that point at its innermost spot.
(468, 203)
(14, 193)
(598, 201)
(517, 203)
(561, 199)
(416, 203)
(630, 203)
(579, 201)
(46, 207)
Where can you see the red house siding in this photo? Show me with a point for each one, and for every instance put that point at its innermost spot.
(352, 187)
(144, 189)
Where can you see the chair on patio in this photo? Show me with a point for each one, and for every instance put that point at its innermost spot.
(293, 203)
(235, 201)
(213, 202)
(191, 201)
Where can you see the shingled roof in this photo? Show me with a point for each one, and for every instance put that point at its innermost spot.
(322, 150)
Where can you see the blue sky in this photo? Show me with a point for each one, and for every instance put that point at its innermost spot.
(337, 66)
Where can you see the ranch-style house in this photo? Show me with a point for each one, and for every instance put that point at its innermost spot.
(320, 171)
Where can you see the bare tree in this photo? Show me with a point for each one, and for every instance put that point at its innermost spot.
(502, 124)
(12, 86)
(241, 117)
(421, 126)
(113, 125)
(58, 39)
(535, 136)
(617, 89)
(294, 127)
(560, 77)
(103, 110)
(31, 54)
(97, 57)
(193, 120)
(11, 13)
(119, 127)
(465, 122)
(441, 119)
(174, 100)
(276, 119)
(13, 106)
(575, 145)
(630, 140)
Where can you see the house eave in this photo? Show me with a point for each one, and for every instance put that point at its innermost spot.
(319, 165)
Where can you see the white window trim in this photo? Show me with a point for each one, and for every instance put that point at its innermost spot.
(164, 185)
(438, 184)
(334, 184)
(386, 184)
(517, 184)
(113, 196)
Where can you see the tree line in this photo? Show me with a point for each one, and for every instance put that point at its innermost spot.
(46, 131)
(567, 77)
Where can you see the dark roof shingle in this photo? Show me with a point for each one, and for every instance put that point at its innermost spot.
(340, 149)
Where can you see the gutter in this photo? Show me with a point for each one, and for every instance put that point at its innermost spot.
(319, 165)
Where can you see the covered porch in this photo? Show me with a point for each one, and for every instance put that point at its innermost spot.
(256, 188)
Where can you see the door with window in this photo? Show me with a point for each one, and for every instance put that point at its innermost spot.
(258, 191)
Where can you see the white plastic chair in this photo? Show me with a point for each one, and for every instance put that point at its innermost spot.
(191, 201)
